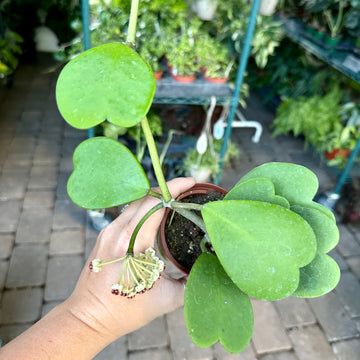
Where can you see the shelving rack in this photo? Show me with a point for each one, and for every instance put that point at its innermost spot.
(343, 59)
(200, 92)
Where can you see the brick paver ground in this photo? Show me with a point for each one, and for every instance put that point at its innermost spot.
(39, 265)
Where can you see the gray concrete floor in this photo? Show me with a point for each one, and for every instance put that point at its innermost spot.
(38, 220)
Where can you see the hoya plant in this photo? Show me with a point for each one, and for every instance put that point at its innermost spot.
(266, 239)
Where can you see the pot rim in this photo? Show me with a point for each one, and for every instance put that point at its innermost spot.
(198, 188)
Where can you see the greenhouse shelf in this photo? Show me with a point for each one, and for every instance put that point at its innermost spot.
(343, 58)
(169, 91)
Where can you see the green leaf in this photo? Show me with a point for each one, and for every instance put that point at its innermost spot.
(260, 245)
(323, 209)
(322, 274)
(109, 82)
(215, 309)
(260, 189)
(319, 277)
(294, 182)
(105, 174)
(326, 231)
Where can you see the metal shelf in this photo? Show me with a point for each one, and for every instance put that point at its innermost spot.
(169, 91)
(343, 57)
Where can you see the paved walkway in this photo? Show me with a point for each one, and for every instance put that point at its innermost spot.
(45, 239)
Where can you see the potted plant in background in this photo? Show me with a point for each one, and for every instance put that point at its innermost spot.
(335, 21)
(204, 167)
(214, 59)
(10, 50)
(323, 122)
(152, 51)
(267, 238)
(182, 61)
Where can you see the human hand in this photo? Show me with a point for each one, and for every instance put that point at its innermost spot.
(92, 301)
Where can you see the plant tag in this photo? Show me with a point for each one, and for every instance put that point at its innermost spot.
(201, 144)
(353, 63)
(219, 129)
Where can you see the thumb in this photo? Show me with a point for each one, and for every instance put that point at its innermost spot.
(172, 293)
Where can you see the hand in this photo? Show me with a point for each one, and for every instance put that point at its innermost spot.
(92, 301)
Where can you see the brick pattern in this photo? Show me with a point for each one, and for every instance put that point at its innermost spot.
(45, 239)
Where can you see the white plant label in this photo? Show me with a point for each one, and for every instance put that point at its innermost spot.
(201, 144)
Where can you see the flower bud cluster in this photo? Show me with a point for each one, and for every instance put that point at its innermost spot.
(139, 273)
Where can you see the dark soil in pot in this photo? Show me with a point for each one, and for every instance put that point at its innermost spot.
(183, 237)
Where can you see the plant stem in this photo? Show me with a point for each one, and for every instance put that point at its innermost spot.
(189, 206)
(130, 39)
(155, 194)
(188, 214)
(155, 160)
(157, 207)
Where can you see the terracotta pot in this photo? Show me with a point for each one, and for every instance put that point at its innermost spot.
(199, 188)
(215, 80)
(184, 79)
(344, 153)
(158, 75)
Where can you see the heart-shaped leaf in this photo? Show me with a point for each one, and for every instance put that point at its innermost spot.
(260, 245)
(215, 308)
(326, 231)
(109, 82)
(260, 189)
(322, 274)
(319, 277)
(323, 209)
(105, 174)
(294, 182)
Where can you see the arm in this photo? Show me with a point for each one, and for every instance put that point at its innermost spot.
(91, 318)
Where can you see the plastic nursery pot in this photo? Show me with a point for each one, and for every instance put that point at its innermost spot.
(202, 189)
(344, 153)
(331, 41)
(183, 79)
(215, 80)
(158, 75)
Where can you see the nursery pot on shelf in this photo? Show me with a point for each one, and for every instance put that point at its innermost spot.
(183, 78)
(180, 243)
(344, 153)
(158, 75)
(214, 80)
(205, 9)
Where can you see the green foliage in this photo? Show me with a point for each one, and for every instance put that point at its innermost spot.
(270, 239)
(216, 309)
(210, 159)
(316, 118)
(322, 274)
(266, 39)
(10, 50)
(110, 82)
(105, 174)
(213, 57)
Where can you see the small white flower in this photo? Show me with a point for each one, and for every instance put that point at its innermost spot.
(96, 265)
